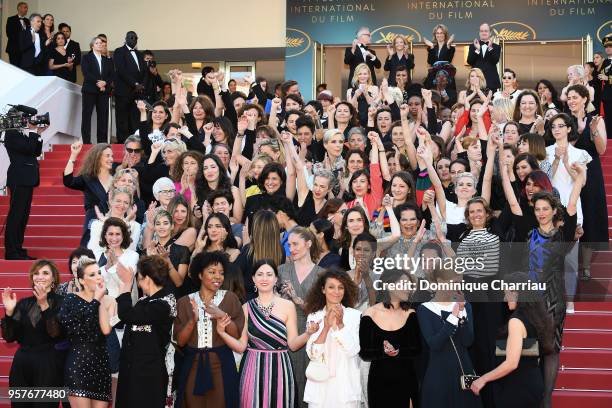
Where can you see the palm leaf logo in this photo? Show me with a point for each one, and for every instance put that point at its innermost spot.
(509, 35)
(294, 42)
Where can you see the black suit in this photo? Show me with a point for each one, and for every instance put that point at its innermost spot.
(73, 48)
(34, 64)
(13, 36)
(22, 176)
(127, 75)
(393, 63)
(487, 64)
(352, 60)
(606, 96)
(93, 96)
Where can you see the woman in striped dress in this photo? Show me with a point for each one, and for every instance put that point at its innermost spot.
(266, 373)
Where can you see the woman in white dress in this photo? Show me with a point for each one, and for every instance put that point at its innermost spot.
(333, 372)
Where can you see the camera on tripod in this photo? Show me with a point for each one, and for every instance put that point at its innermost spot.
(20, 116)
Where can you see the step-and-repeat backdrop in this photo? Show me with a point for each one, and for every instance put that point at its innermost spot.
(335, 22)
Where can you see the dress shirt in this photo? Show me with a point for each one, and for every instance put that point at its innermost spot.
(36, 43)
(22, 21)
(133, 54)
(99, 59)
(483, 48)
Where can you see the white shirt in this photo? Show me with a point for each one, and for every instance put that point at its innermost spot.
(132, 52)
(454, 213)
(66, 45)
(99, 59)
(483, 49)
(36, 43)
(340, 353)
(365, 52)
(562, 180)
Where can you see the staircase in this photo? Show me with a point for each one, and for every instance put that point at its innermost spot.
(54, 230)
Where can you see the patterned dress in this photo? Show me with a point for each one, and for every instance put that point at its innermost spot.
(87, 365)
(266, 373)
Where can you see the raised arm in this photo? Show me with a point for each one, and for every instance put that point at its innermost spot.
(507, 185)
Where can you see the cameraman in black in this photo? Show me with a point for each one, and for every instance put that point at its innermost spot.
(152, 81)
(23, 147)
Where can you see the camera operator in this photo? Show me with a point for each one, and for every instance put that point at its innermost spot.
(152, 82)
(23, 147)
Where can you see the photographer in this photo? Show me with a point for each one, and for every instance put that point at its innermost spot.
(23, 147)
(152, 81)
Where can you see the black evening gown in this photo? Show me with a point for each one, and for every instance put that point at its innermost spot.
(87, 365)
(392, 381)
(523, 387)
(37, 362)
(59, 59)
(441, 385)
(143, 378)
(593, 195)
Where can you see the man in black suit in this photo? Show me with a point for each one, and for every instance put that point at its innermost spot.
(359, 53)
(32, 46)
(129, 85)
(14, 26)
(152, 79)
(484, 54)
(606, 77)
(23, 147)
(98, 73)
(72, 49)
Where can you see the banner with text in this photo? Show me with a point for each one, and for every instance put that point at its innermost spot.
(335, 22)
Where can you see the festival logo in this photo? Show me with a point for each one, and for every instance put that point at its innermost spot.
(513, 31)
(386, 34)
(297, 42)
(604, 30)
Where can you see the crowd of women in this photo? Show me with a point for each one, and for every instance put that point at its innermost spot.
(227, 260)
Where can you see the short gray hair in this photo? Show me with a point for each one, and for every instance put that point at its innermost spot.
(357, 130)
(361, 30)
(331, 133)
(161, 184)
(325, 174)
(131, 138)
(466, 175)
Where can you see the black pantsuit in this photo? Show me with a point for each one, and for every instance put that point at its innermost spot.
(94, 96)
(21, 178)
(126, 115)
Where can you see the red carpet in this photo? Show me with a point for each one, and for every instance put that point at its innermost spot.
(585, 376)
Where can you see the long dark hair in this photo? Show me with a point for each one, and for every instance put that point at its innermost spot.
(345, 239)
(315, 299)
(393, 276)
(530, 305)
(230, 240)
(554, 96)
(202, 187)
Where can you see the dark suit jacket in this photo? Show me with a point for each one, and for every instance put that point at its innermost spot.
(13, 32)
(352, 60)
(23, 152)
(446, 54)
(487, 64)
(393, 63)
(92, 74)
(28, 50)
(127, 73)
(74, 48)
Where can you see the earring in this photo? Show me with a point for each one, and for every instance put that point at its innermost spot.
(256, 289)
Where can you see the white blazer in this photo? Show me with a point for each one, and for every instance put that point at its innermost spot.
(95, 231)
(129, 259)
(341, 355)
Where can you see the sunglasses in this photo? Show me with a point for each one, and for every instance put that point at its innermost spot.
(132, 151)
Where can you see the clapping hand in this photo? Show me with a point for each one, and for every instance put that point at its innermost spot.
(214, 311)
(126, 275)
(312, 328)
(9, 300)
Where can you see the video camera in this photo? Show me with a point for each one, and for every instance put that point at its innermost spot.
(20, 116)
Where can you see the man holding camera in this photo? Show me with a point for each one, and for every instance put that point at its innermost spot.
(23, 147)
(152, 79)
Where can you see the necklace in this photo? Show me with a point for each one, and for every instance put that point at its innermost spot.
(265, 310)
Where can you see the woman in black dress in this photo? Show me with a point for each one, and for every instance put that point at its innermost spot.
(518, 377)
(143, 379)
(399, 56)
(593, 139)
(528, 113)
(85, 319)
(441, 48)
(389, 338)
(60, 63)
(32, 322)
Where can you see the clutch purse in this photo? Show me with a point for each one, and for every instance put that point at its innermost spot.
(317, 371)
(531, 348)
(467, 380)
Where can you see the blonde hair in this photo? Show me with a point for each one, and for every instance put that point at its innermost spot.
(504, 106)
(481, 77)
(358, 69)
(404, 39)
(175, 144)
(579, 70)
(122, 190)
(276, 146)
